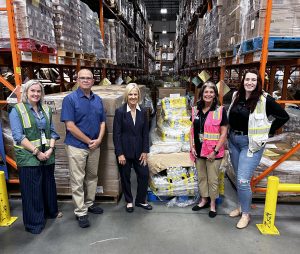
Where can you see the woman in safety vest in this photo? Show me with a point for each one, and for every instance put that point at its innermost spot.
(207, 137)
(249, 131)
(34, 142)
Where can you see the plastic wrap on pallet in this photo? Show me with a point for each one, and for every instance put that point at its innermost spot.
(87, 29)
(229, 25)
(67, 24)
(175, 181)
(107, 39)
(293, 125)
(34, 26)
(7, 135)
(113, 40)
(99, 49)
(285, 21)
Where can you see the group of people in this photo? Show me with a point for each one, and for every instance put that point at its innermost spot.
(84, 116)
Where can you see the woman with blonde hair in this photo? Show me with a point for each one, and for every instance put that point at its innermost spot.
(34, 142)
(131, 141)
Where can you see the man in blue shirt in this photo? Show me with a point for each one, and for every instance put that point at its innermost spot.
(84, 117)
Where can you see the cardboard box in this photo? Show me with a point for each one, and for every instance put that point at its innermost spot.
(166, 91)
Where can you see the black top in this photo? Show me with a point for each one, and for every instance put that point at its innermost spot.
(199, 128)
(239, 115)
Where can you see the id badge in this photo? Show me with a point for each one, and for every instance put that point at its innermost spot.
(43, 138)
(201, 137)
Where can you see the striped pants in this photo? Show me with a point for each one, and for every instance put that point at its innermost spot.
(39, 201)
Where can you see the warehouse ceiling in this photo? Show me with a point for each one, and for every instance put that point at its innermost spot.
(153, 8)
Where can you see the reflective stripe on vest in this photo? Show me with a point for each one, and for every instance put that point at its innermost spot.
(24, 115)
(211, 136)
(46, 110)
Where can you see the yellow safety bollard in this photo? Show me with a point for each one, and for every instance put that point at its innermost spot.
(268, 227)
(5, 218)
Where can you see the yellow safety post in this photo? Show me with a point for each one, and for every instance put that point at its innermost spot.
(268, 227)
(5, 218)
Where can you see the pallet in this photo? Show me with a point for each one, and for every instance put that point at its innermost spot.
(284, 44)
(103, 60)
(225, 54)
(89, 57)
(275, 44)
(65, 53)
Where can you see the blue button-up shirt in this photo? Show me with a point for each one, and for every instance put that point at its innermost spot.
(17, 128)
(86, 113)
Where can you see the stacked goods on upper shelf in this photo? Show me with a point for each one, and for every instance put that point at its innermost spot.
(34, 26)
(243, 22)
(77, 28)
(67, 23)
(211, 33)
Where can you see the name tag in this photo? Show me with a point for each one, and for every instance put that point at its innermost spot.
(43, 138)
(201, 137)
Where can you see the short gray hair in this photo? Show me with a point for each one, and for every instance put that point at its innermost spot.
(27, 85)
(128, 89)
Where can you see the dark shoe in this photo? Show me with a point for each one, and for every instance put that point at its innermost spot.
(145, 206)
(95, 209)
(198, 208)
(212, 214)
(83, 221)
(129, 209)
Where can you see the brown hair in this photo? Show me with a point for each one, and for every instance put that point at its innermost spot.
(255, 94)
(215, 103)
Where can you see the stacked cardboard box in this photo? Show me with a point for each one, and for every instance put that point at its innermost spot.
(34, 26)
(109, 181)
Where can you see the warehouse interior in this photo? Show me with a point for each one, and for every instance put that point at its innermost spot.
(170, 49)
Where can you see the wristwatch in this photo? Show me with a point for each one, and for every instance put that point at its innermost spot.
(216, 152)
(53, 148)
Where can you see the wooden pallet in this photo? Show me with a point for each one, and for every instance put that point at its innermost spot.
(65, 53)
(89, 57)
(103, 60)
(228, 53)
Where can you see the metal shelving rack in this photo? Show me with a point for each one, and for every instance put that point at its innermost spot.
(223, 67)
(30, 62)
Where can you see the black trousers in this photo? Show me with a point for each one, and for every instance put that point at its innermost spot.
(39, 197)
(142, 173)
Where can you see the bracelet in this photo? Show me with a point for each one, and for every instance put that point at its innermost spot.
(35, 151)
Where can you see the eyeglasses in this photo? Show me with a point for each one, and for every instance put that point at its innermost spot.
(85, 78)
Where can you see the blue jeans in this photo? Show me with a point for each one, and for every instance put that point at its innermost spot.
(244, 167)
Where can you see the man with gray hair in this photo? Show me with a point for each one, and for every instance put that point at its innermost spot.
(84, 118)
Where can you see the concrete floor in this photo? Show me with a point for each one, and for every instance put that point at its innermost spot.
(163, 230)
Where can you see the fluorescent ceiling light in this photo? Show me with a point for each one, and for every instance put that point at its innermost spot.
(164, 31)
(163, 11)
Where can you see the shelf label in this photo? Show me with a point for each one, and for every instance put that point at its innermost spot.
(234, 60)
(52, 59)
(61, 60)
(74, 61)
(82, 63)
(26, 56)
(242, 59)
(256, 56)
